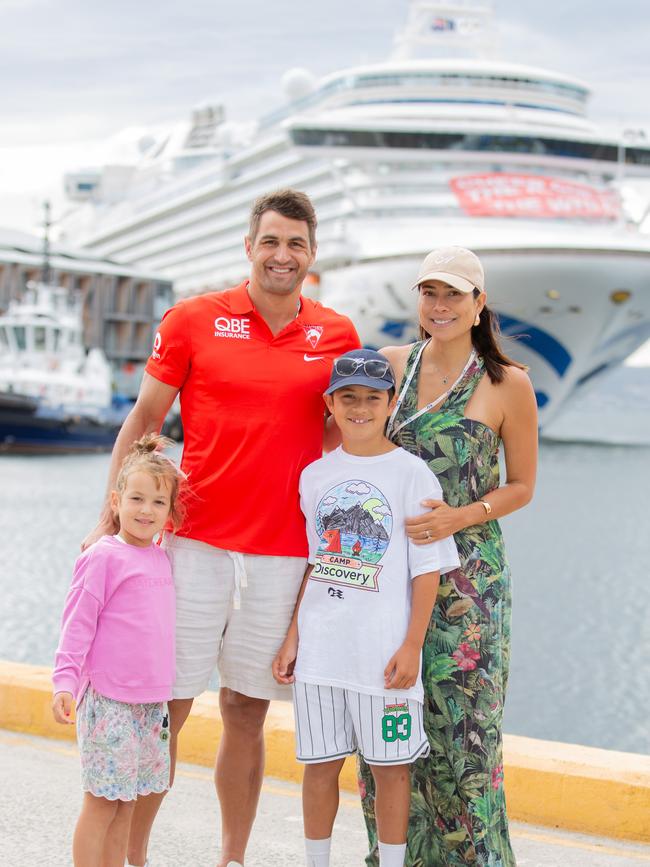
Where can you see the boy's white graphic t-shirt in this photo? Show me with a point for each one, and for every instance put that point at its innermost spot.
(356, 608)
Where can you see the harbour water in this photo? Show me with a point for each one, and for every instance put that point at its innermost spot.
(579, 556)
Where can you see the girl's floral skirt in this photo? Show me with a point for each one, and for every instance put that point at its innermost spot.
(124, 748)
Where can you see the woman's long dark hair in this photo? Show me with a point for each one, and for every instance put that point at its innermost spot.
(485, 339)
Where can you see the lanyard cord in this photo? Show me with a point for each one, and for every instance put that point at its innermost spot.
(390, 429)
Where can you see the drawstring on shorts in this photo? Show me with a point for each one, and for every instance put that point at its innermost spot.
(241, 579)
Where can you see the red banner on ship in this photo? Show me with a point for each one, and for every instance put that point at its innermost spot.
(508, 195)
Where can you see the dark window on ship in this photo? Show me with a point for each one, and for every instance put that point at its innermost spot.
(20, 337)
(468, 142)
(638, 156)
(39, 338)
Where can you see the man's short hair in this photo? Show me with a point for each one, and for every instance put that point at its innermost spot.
(291, 204)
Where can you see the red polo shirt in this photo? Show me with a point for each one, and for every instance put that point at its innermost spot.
(252, 412)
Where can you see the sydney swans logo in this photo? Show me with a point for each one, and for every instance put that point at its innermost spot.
(313, 334)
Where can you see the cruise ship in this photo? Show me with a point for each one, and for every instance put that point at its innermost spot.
(439, 144)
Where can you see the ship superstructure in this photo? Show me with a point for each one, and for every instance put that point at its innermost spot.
(400, 157)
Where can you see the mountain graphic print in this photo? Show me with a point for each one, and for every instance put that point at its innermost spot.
(354, 522)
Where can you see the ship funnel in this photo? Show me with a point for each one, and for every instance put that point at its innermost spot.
(458, 28)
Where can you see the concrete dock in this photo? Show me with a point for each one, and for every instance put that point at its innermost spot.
(40, 799)
(569, 805)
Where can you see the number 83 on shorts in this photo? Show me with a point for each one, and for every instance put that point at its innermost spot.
(332, 722)
(396, 727)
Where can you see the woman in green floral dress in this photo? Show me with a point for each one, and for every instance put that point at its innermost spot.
(460, 397)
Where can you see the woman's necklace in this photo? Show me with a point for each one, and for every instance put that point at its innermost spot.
(391, 429)
(443, 376)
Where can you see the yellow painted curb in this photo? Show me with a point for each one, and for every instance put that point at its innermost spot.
(583, 789)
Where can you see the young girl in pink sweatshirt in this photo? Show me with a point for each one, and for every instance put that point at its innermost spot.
(116, 655)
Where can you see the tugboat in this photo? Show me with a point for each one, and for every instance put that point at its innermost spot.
(54, 396)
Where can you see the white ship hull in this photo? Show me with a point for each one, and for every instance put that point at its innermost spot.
(556, 301)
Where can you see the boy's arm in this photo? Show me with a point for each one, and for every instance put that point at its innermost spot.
(285, 659)
(404, 665)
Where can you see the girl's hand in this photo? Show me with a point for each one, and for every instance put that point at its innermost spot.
(285, 659)
(62, 708)
(440, 522)
(403, 667)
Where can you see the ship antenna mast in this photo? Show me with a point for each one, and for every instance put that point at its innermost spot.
(47, 223)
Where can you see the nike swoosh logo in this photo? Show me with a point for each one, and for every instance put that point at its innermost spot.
(313, 357)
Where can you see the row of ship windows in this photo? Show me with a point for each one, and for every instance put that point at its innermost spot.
(482, 102)
(469, 142)
(195, 181)
(359, 82)
(186, 221)
(465, 80)
(431, 210)
(438, 173)
(41, 338)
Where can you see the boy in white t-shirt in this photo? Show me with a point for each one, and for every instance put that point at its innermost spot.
(353, 650)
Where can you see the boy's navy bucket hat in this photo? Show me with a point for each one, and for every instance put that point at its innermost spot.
(379, 375)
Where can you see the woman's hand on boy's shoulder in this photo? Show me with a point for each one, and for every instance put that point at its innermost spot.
(285, 658)
(62, 708)
(438, 523)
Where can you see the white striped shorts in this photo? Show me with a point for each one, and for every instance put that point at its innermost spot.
(332, 722)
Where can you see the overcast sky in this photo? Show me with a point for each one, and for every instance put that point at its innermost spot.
(75, 73)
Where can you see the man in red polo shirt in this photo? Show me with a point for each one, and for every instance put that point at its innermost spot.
(251, 365)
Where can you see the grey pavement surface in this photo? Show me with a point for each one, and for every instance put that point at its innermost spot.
(40, 797)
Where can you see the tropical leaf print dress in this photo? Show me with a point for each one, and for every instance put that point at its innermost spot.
(458, 813)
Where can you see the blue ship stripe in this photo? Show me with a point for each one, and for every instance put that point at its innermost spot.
(541, 342)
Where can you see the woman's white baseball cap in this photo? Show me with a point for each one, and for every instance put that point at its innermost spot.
(456, 266)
